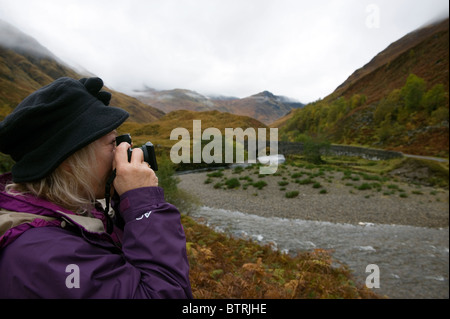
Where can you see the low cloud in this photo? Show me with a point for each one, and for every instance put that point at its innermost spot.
(298, 49)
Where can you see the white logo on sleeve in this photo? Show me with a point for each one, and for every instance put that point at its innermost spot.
(146, 215)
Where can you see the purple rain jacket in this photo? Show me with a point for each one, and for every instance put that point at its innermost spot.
(49, 252)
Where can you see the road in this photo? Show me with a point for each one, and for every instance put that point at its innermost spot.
(438, 159)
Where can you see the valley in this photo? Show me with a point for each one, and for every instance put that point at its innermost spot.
(398, 101)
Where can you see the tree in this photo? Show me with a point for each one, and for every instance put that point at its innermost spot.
(413, 92)
(434, 98)
(388, 105)
(357, 100)
(313, 148)
(440, 115)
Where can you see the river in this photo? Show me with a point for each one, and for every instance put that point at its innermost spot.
(413, 262)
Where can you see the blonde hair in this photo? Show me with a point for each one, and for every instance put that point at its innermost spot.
(70, 185)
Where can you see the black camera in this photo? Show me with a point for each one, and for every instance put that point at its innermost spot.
(148, 149)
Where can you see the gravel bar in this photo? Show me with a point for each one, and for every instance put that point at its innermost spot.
(341, 201)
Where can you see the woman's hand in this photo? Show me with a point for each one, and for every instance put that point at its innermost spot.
(133, 174)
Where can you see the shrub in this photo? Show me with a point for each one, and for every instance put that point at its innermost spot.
(259, 184)
(223, 267)
(246, 178)
(291, 194)
(232, 183)
(215, 174)
(296, 175)
(313, 149)
(364, 186)
(305, 181)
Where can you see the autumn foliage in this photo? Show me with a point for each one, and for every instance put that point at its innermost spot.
(225, 267)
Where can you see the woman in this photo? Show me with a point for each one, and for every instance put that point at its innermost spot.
(53, 238)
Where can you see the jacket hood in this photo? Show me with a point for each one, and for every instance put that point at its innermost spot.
(19, 213)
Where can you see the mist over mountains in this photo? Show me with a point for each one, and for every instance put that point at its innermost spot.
(264, 106)
(26, 65)
(13, 38)
(349, 115)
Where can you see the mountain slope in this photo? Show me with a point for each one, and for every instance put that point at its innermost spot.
(26, 66)
(176, 99)
(159, 131)
(423, 52)
(399, 100)
(265, 106)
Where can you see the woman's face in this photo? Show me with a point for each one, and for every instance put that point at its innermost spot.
(105, 148)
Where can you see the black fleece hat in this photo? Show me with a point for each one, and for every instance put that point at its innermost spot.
(54, 122)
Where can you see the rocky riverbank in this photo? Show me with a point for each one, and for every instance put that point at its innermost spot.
(331, 196)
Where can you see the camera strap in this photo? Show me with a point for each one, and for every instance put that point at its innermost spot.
(109, 221)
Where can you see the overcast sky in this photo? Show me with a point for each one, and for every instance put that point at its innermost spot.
(300, 49)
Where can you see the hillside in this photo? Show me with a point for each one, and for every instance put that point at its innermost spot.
(398, 101)
(265, 106)
(158, 132)
(423, 52)
(25, 66)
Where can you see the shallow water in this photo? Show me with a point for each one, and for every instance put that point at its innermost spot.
(413, 262)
